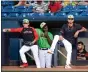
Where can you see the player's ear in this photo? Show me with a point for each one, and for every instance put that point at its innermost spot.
(83, 46)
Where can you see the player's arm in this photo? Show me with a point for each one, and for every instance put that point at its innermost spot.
(81, 58)
(49, 37)
(62, 31)
(49, 40)
(12, 29)
(80, 29)
(83, 29)
(6, 30)
(35, 36)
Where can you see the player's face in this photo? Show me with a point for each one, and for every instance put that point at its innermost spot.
(80, 46)
(22, 1)
(70, 20)
(45, 28)
(70, 24)
(26, 25)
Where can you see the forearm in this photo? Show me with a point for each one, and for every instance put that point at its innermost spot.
(78, 31)
(34, 41)
(35, 35)
(49, 40)
(6, 30)
(12, 30)
(83, 29)
(82, 58)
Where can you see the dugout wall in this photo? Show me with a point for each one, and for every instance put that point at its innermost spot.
(10, 41)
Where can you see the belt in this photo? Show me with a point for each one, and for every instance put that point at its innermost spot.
(44, 48)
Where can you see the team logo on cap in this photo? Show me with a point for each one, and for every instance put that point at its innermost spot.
(70, 16)
(25, 21)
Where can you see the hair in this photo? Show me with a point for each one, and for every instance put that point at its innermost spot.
(80, 42)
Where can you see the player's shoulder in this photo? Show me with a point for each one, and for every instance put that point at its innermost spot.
(76, 24)
(32, 27)
(39, 30)
(64, 25)
(19, 28)
(50, 33)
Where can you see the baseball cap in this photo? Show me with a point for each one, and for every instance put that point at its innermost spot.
(70, 16)
(42, 24)
(25, 21)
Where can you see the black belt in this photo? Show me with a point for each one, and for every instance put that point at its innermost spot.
(44, 49)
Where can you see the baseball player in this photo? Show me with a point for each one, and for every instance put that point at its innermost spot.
(44, 43)
(68, 35)
(29, 37)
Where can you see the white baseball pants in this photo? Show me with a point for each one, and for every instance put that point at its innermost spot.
(34, 50)
(68, 47)
(45, 59)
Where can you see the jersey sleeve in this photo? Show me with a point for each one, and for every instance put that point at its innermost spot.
(16, 29)
(62, 30)
(35, 34)
(39, 32)
(51, 36)
(78, 26)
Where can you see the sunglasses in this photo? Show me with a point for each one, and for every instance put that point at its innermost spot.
(70, 18)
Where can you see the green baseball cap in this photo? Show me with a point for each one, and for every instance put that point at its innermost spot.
(25, 21)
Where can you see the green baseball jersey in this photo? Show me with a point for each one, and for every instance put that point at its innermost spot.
(42, 41)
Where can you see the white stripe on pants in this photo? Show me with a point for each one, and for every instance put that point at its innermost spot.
(45, 59)
(34, 50)
(68, 47)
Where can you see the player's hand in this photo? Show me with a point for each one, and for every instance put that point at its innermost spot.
(31, 43)
(6, 30)
(81, 58)
(76, 34)
(42, 35)
(61, 37)
(46, 34)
